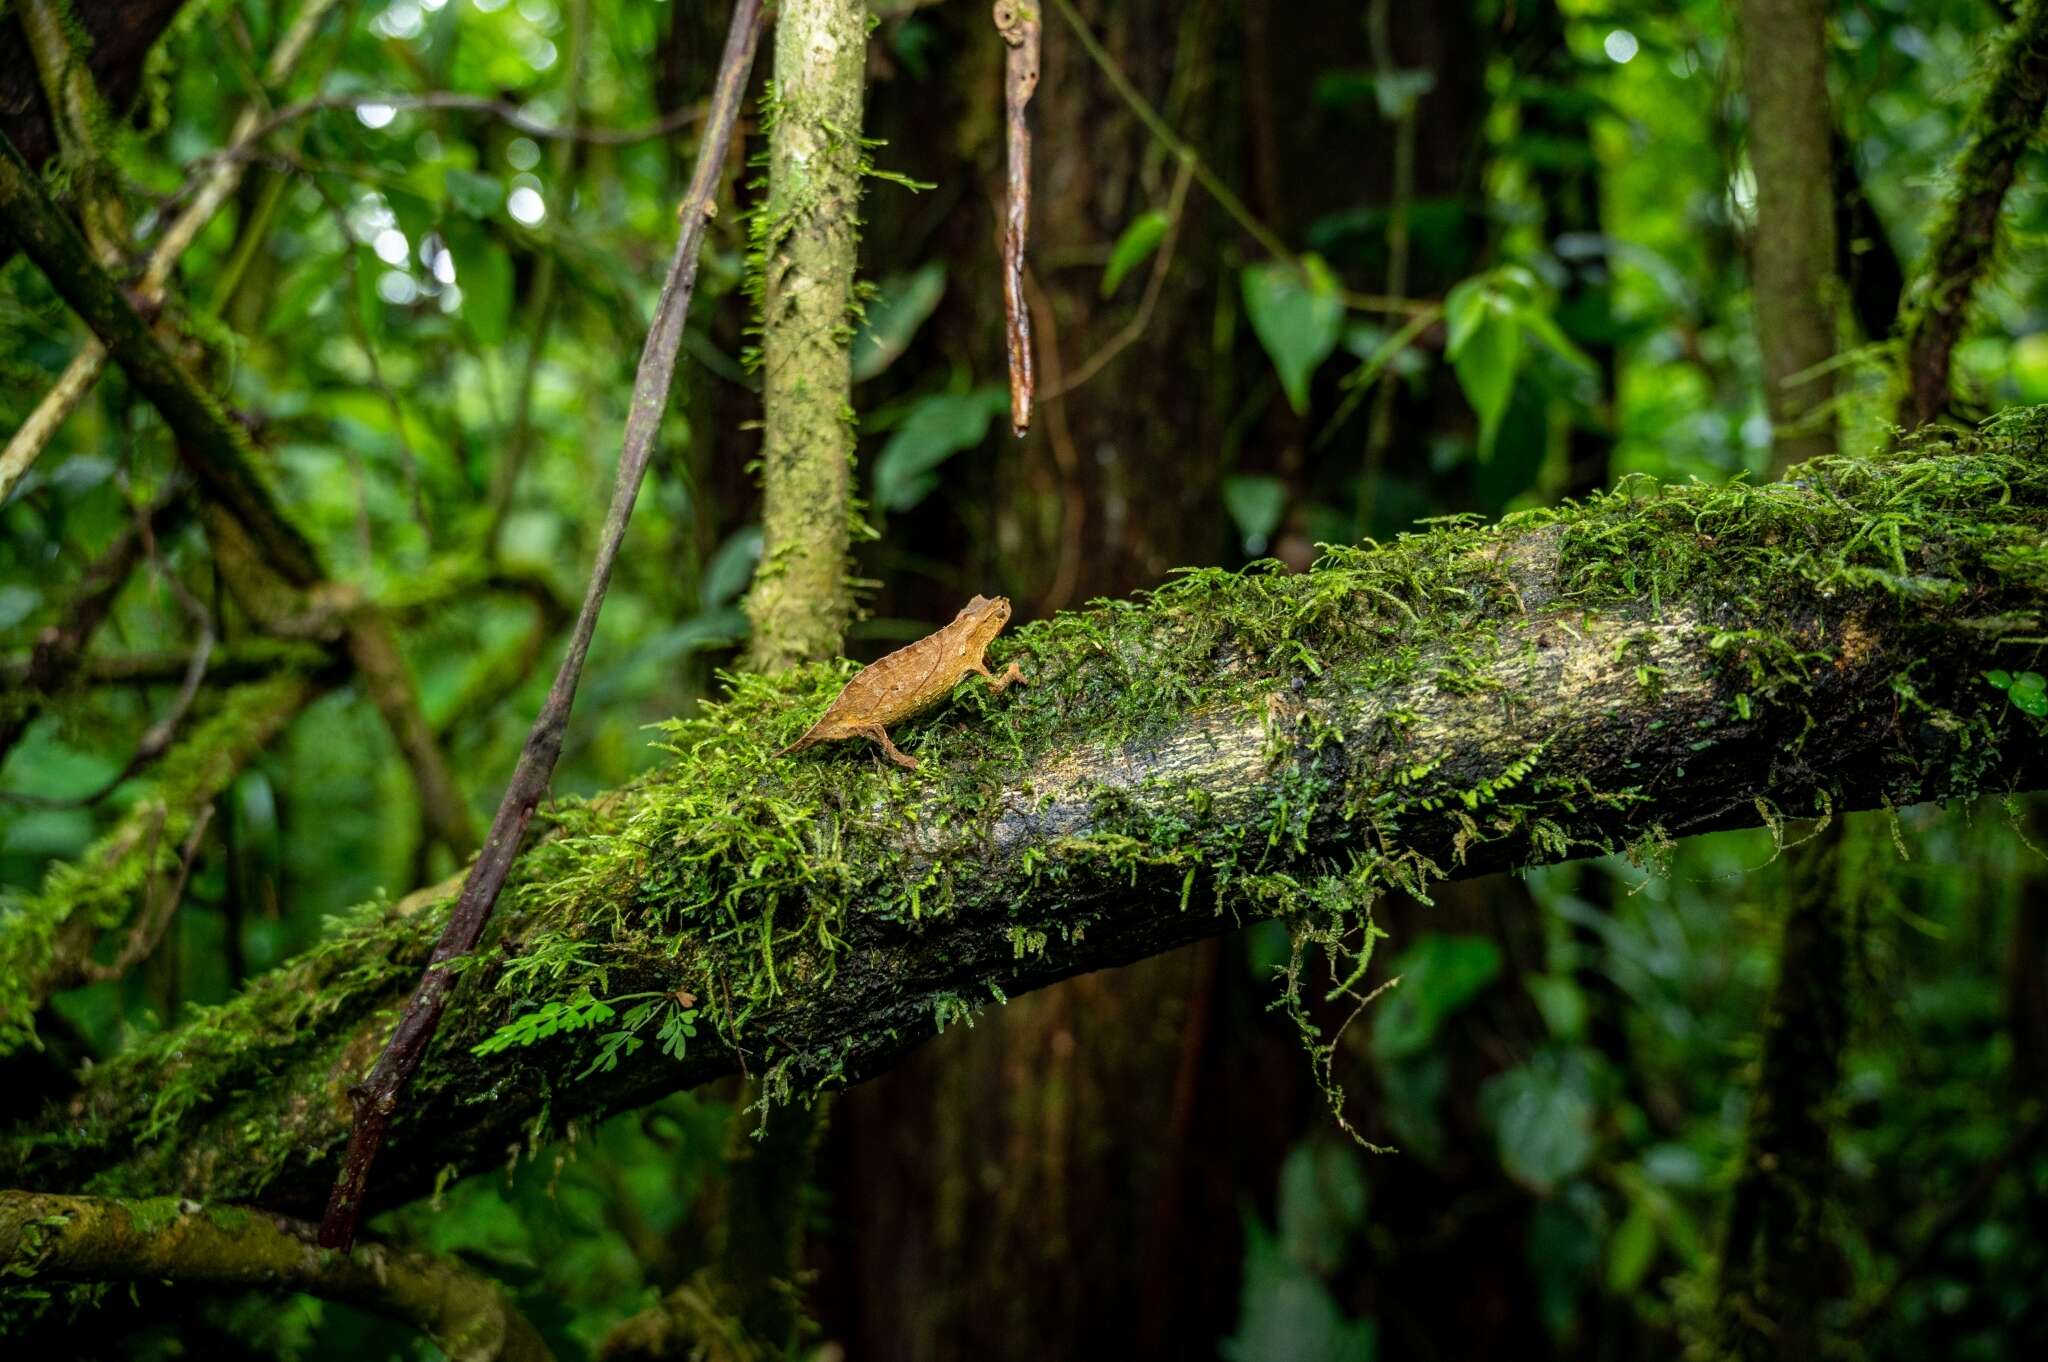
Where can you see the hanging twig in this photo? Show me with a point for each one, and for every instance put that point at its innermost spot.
(1017, 21)
(375, 1101)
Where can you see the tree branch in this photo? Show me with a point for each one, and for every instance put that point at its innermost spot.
(1651, 665)
(1961, 245)
(59, 650)
(98, 1239)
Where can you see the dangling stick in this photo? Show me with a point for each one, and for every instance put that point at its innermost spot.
(1017, 21)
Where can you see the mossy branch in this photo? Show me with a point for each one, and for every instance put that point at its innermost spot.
(1652, 664)
(1964, 238)
(99, 1239)
(47, 937)
(375, 1102)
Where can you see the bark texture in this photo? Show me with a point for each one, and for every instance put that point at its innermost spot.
(805, 235)
(1653, 664)
(1792, 250)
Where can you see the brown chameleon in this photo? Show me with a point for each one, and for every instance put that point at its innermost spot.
(913, 679)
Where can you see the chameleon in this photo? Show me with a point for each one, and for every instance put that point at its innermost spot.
(913, 679)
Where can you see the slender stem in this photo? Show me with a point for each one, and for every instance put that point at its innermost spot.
(375, 1102)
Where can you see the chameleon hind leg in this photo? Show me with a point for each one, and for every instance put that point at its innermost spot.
(881, 735)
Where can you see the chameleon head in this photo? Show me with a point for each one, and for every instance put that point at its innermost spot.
(988, 613)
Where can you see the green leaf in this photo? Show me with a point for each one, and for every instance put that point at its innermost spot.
(937, 428)
(478, 196)
(1139, 240)
(1542, 1117)
(1485, 365)
(1322, 1200)
(1286, 1313)
(902, 306)
(485, 278)
(1632, 1249)
(1438, 977)
(306, 284)
(730, 568)
(2032, 702)
(368, 303)
(1297, 319)
(416, 216)
(1256, 501)
(1544, 328)
(17, 603)
(2000, 678)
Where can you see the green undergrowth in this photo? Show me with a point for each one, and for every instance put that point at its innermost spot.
(744, 874)
(110, 884)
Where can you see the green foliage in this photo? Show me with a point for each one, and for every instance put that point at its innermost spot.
(933, 430)
(1490, 320)
(1297, 316)
(1134, 245)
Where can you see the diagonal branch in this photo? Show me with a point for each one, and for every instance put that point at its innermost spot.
(215, 187)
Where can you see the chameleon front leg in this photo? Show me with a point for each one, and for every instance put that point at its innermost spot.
(998, 684)
(881, 735)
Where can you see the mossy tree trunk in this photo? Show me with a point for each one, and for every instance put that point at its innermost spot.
(1792, 247)
(1635, 670)
(804, 238)
(1961, 244)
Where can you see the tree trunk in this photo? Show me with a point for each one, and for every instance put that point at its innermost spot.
(1792, 247)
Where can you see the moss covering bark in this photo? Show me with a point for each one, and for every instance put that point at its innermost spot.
(1653, 663)
(47, 938)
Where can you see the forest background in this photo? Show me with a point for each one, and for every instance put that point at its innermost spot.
(1299, 275)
